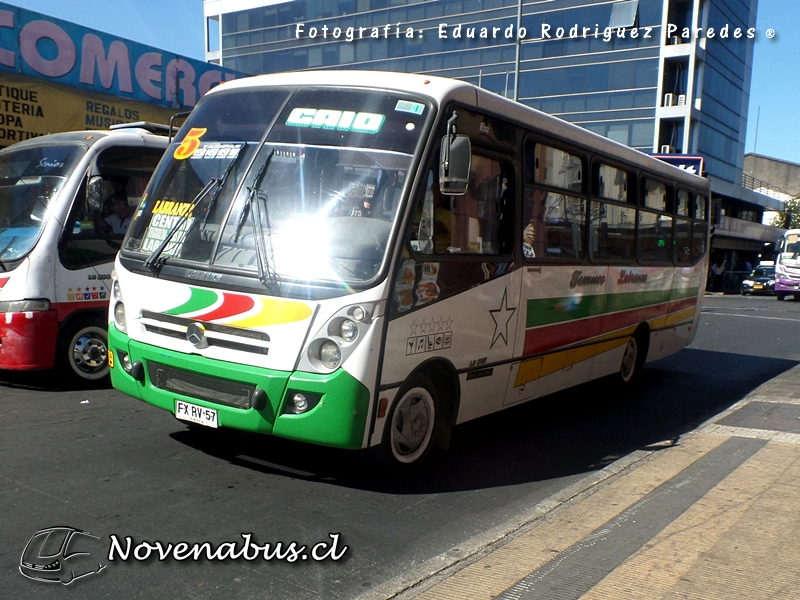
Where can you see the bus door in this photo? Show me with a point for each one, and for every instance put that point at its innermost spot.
(93, 233)
(456, 297)
(562, 294)
(90, 239)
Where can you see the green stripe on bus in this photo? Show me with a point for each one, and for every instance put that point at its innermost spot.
(199, 300)
(558, 310)
(629, 300)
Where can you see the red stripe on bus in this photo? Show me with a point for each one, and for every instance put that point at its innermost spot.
(682, 304)
(543, 339)
(232, 304)
(3, 281)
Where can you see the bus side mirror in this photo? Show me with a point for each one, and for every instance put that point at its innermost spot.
(456, 162)
(94, 194)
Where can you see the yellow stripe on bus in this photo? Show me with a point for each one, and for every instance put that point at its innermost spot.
(535, 368)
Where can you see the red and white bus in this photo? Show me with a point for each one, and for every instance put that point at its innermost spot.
(65, 201)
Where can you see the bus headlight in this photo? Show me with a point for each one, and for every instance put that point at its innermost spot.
(116, 290)
(330, 355)
(348, 330)
(119, 317)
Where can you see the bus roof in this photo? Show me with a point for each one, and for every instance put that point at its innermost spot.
(442, 90)
(88, 137)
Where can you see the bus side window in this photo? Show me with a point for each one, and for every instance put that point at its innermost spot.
(554, 223)
(91, 238)
(481, 219)
(479, 222)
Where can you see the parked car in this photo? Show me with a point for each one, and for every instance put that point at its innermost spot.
(760, 281)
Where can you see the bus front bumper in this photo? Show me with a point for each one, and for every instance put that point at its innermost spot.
(338, 402)
(28, 340)
(787, 285)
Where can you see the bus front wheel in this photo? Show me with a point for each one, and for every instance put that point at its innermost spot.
(83, 351)
(408, 435)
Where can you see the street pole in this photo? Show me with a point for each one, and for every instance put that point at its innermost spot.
(519, 50)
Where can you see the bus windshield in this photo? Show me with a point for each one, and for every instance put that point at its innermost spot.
(790, 254)
(304, 186)
(30, 178)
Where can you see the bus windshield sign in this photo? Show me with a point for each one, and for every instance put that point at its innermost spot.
(342, 120)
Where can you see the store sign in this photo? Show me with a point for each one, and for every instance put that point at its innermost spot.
(30, 107)
(39, 46)
(691, 164)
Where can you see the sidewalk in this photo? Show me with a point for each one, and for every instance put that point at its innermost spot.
(715, 515)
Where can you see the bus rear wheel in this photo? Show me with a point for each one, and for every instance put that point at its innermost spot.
(633, 358)
(408, 435)
(83, 351)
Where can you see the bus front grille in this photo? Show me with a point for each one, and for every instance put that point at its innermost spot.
(202, 387)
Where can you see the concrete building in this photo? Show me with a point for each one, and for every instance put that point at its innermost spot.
(663, 76)
(772, 176)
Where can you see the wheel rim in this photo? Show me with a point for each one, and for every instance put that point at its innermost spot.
(412, 425)
(89, 353)
(629, 360)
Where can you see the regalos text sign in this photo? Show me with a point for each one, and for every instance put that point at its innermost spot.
(39, 46)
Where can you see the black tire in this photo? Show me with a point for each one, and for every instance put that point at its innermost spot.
(82, 352)
(409, 431)
(779, 296)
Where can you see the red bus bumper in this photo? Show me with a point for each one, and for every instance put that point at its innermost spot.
(28, 340)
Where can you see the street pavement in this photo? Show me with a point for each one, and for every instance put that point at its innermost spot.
(712, 515)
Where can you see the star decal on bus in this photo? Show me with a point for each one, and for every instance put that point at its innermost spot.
(501, 317)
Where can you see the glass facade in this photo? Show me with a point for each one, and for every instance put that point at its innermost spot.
(572, 63)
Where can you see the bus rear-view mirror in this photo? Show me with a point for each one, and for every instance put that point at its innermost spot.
(455, 165)
(94, 194)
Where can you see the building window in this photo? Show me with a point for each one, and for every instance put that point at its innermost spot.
(212, 33)
(623, 14)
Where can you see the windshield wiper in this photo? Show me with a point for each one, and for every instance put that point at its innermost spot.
(266, 272)
(154, 262)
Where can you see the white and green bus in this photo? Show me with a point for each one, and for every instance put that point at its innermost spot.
(365, 260)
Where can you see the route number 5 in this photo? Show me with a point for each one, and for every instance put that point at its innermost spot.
(190, 143)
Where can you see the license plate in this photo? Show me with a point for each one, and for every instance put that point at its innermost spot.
(196, 414)
(758, 286)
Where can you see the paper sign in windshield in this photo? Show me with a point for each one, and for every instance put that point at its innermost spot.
(166, 215)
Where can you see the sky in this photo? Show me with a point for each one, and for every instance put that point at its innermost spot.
(774, 112)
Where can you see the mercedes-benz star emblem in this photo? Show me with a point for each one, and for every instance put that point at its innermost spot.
(196, 334)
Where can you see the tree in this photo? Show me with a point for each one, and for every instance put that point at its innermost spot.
(790, 217)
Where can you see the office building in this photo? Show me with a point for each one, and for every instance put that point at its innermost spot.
(662, 76)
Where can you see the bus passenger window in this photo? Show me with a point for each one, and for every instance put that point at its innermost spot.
(479, 222)
(612, 183)
(655, 237)
(699, 233)
(682, 242)
(683, 207)
(612, 232)
(655, 195)
(700, 207)
(554, 225)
